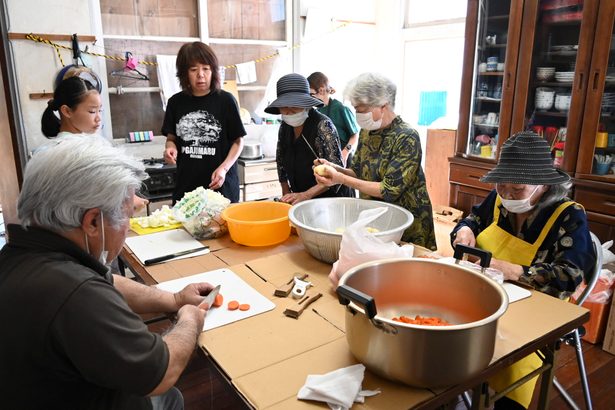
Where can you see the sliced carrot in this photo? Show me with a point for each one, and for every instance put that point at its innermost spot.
(218, 301)
(420, 320)
(244, 306)
(233, 305)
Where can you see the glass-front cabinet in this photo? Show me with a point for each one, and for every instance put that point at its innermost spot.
(491, 89)
(597, 148)
(557, 78)
(553, 77)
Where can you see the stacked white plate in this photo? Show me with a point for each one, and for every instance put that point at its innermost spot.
(608, 102)
(544, 73)
(564, 76)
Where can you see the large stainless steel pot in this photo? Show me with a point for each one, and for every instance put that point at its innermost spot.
(251, 150)
(422, 356)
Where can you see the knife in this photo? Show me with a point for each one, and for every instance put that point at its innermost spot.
(211, 296)
(159, 259)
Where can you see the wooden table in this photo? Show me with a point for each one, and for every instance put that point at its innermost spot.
(267, 357)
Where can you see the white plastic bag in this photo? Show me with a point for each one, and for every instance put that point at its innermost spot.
(200, 211)
(359, 245)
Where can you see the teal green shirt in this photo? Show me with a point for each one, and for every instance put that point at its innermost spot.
(342, 118)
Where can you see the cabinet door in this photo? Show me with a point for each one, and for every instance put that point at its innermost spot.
(556, 48)
(490, 65)
(597, 148)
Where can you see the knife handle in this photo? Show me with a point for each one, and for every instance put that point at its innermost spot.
(158, 260)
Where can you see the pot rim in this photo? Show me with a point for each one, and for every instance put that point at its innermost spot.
(298, 224)
(478, 323)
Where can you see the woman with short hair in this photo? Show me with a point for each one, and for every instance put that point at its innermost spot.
(203, 127)
(387, 164)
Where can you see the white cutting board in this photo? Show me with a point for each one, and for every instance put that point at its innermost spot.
(232, 288)
(164, 243)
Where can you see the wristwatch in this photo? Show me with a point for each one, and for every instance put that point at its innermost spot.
(348, 147)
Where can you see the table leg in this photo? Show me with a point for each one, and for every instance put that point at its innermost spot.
(544, 391)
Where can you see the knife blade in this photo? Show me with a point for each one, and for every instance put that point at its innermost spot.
(211, 296)
(159, 259)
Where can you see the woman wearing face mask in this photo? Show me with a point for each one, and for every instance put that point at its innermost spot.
(387, 164)
(536, 235)
(304, 135)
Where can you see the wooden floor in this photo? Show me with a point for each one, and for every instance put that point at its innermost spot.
(204, 387)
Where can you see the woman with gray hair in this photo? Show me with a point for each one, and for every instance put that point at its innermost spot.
(535, 234)
(76, 336)
(387, 164)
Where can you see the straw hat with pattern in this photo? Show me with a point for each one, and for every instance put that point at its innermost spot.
(526, 159)
(293, 90)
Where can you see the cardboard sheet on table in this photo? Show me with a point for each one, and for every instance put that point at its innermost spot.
(232, 288)
(136, 228)
(163, 243)
(276, 386)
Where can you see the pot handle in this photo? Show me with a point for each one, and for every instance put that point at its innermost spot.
(345, 294)
(485, 256)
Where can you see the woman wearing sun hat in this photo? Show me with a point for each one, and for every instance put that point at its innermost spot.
(305, 134)
(536, 236)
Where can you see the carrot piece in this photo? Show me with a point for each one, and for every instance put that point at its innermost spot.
(244, 306)
(233, 305)
(218, 301)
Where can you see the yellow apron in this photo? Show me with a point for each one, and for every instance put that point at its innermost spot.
(508, 247)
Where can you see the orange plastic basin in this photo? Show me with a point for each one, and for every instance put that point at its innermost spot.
(258, 223)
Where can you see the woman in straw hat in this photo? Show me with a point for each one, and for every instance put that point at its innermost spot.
(305, 134)
(387, 164)
(535, 234)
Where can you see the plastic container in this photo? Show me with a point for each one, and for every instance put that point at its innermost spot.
(258, 223)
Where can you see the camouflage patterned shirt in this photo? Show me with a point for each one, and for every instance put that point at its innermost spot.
(392, 156)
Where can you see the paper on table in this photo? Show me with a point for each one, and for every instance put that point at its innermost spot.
(515, 292)
(164, 243)
(232, 287)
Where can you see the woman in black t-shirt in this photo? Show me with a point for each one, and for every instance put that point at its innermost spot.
(203, 127)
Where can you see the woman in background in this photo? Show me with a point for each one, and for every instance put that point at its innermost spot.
(304, 135)
(341, 116)
(387, 164)
(203, 127)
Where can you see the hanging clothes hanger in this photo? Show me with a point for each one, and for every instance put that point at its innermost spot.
(130, 69)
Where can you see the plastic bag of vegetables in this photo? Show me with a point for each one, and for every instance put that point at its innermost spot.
(200, 211)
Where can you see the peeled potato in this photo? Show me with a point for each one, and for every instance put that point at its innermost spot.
(321, 169)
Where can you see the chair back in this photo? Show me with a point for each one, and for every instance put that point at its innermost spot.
(592, 277)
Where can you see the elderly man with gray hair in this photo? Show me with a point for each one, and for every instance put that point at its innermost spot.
(76, 339)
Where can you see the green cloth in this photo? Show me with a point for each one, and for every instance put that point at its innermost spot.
(393, 156)
(342, 118)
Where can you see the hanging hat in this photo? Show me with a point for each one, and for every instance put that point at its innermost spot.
(293, 90)
(526, 159)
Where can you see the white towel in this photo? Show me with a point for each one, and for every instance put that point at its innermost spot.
(167, 78)
(246, 72)
(339, 388)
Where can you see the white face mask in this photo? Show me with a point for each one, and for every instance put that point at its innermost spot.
(295, 120)
(518, 206)
(102, 258)
(366, 121)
